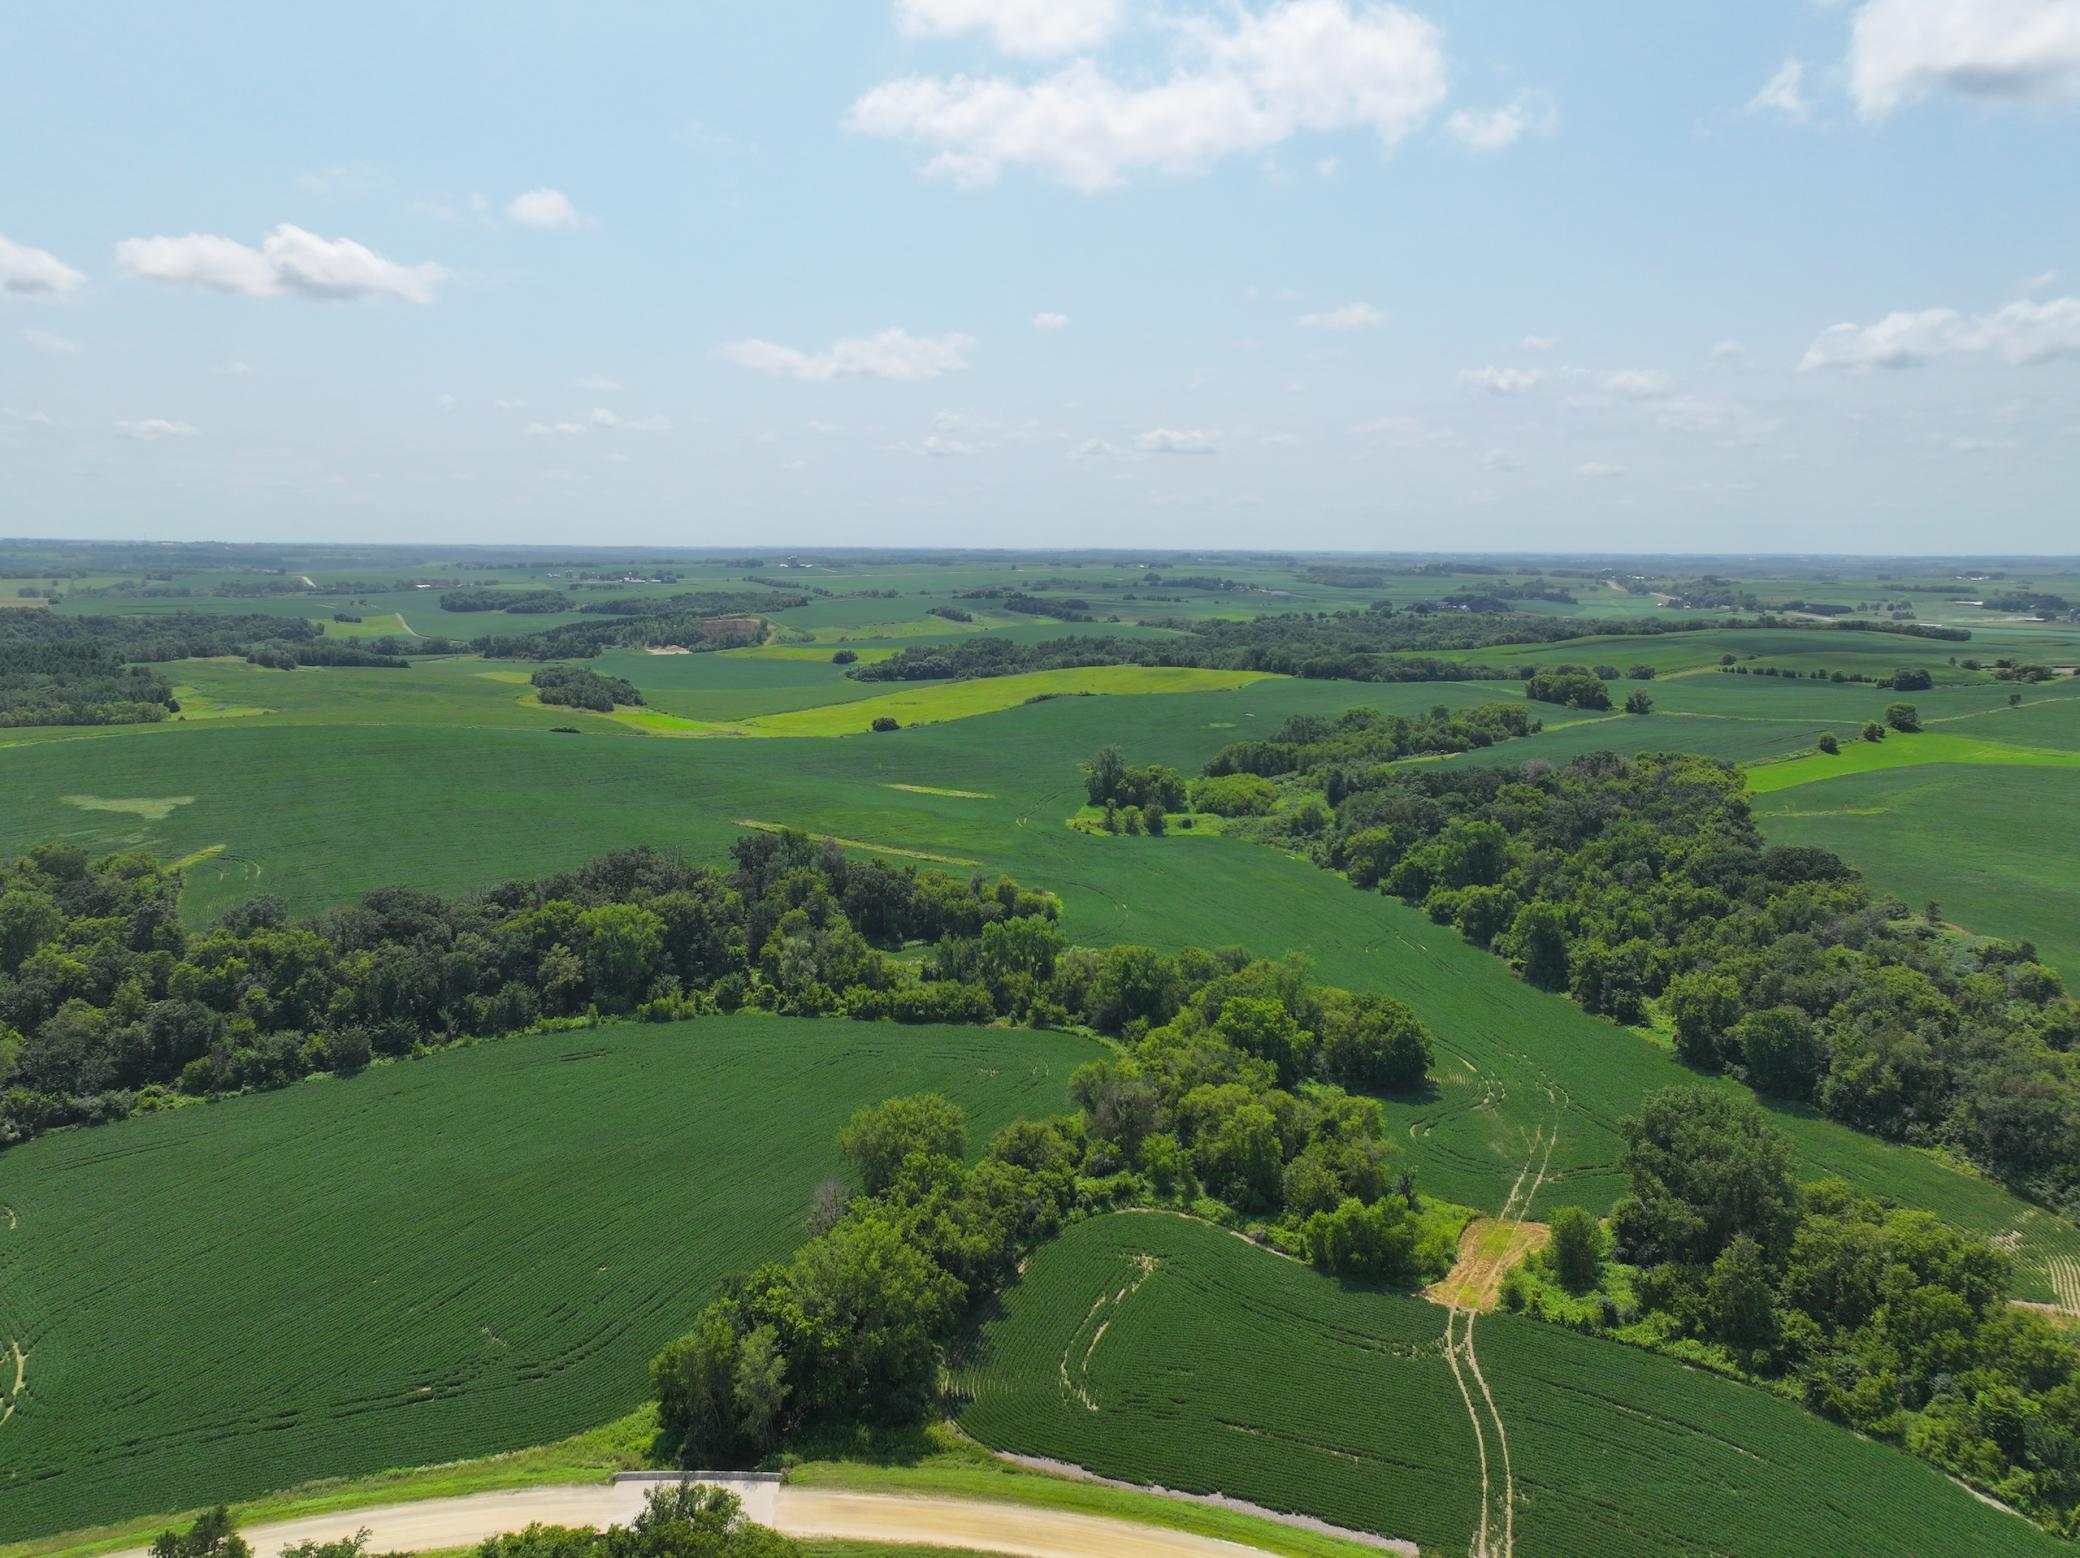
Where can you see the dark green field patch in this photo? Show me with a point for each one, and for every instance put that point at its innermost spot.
(1154, 1349)
(448, 1257)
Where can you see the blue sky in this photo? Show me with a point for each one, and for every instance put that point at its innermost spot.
(1781, 275)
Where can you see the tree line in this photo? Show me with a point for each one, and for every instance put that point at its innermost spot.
(1380, 644)
(1204, 1111)
(579, 687)
(1881, 1318)
(677, 1520)
(91, 670)
(1644, 890)
(109, 1004)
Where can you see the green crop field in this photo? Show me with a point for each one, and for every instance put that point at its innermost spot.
(446, 1257)
(454, 809)
(1154, 1349)
(2013, 871)
(393, 1327)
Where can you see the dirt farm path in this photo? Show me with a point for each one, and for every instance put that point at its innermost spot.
(1016, 1529)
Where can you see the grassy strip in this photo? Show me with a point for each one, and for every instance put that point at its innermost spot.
(930, 703)
(1896, 751)
(953, 1467)
(872, 849)
(593, 1456)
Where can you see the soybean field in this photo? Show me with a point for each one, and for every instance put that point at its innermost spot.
(463, 1254)
(1155, 1349)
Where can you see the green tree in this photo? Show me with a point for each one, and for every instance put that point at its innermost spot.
(1873, 731)
(1738, 1304)
(1903, 717)
(1705, 1167)
(1538, 942)
(1577, 1249)
(623, 952)
(870, 1305)
(1702, 1006)
(1104, 776)
(693, 1520)
(1639, 703)
(1782, 1052)
(1261, 1026)
(1828, 743)
(880, 1136)
(213, 1535)
(27, 920)
(1373, 1043)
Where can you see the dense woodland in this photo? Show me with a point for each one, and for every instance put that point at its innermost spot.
(1882, 1318)
(1380, 644)
(108, 1004)
(67, 670)
(1643, 888)
(1213, 1107)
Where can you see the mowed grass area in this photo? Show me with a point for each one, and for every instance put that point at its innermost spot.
(448, 1257)
(1140, 1347)
(452, 810)
(1904, 751)
(935, 702)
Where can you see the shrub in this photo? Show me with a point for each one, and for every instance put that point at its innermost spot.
(1903, 717)
(844, 657)
(1576, 1252)
(886, 722)
(1828, 744)
(1234, 795)
(1639, 703)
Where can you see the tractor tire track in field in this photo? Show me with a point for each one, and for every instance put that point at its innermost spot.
(2064, 1272)
(14, 1362)
(1495, 1536)
(1077, 1382)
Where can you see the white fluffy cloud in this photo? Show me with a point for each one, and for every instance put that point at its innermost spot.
(543, 207)
(1094, 449)
(1046, 321)
(656, 422)
(1171, 440)
(156, 427)
(2022, 333)
(27, 270)
(1351, 316)
(1034, 28)
(1492, 129)
(1635, 383)
(1998, 50)
(289, 262)
(1501, 381)
(1242, 84)
(1784, 94)
(893, 354)
(557, 429)
(51, 344)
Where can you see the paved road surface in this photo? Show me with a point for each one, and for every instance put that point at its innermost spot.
(870, 1517)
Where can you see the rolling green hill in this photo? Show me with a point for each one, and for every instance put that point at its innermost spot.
(447, 1257)
(1155, 1349)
